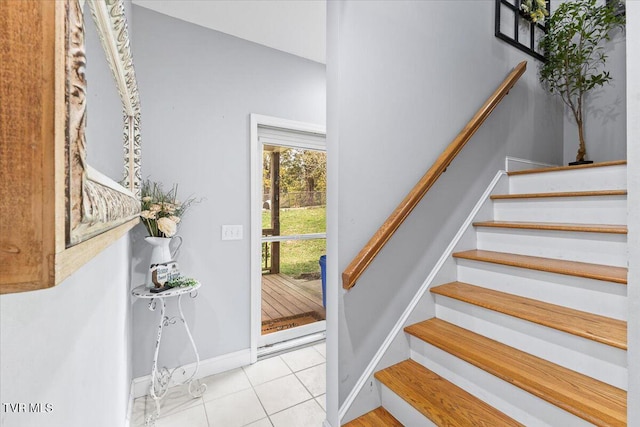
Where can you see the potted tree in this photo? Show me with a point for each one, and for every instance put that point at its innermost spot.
(575, 52)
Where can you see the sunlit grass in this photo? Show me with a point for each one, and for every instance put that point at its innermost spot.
(298, 257)
(298, 220)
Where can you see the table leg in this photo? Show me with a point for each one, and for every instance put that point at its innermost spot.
(200, 388)
(155, 381)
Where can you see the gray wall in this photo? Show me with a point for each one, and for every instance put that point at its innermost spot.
(197, 89)
(403, 79)
(70, 346)
(633, 202)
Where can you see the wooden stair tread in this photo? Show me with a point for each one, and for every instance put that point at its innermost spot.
(555, 226)
(438, 399)
(598, 328)
(565, 168)
(560, 194)
(572, 268)
(592, 400)
(379, 417)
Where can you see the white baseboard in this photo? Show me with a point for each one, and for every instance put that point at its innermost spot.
(326, 423)
(127, 421)
(513, 164)
(226, 362)
(398, 328)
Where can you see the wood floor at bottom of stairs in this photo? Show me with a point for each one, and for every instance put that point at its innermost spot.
(377, 418)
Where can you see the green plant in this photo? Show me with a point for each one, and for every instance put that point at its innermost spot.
(536, 9)
(575, 52)
(181, 282)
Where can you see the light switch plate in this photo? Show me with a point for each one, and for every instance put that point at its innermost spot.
(232, 232)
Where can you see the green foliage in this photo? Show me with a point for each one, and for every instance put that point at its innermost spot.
(181, 282)
(537, 9)
(575, 51)
(300, 170)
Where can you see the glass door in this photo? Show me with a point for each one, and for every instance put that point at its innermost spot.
(293, 241)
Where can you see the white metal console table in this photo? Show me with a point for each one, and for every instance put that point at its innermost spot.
(161, 378)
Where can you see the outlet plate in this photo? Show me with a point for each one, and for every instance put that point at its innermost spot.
(231, 232)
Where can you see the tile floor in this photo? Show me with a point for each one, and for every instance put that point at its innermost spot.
(283, 391)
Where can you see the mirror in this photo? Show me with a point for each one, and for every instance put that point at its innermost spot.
(69, 212)
(103, 126)
(96, 202)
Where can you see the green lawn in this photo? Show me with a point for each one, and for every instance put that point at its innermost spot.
(299, 220)
(300, 257)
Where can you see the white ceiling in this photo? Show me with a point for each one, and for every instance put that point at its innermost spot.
(294, 26)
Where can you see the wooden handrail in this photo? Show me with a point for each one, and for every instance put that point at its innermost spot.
(359, 264)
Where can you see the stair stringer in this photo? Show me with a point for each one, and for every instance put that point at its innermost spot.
(366, 394)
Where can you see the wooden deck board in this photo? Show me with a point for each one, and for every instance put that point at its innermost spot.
(272, 298)
(291, 289)
(284, 296)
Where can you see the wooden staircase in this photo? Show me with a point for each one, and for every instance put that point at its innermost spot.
(533, 331)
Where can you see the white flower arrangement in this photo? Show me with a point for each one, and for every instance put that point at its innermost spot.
(161, 212)
(536, 9)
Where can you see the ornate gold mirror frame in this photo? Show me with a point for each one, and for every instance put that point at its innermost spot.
(95, 202)
(58, 212)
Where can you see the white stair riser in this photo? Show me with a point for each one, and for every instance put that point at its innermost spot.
(509, 399)
(588, 179)
(597, 248)
(580, 210)
(593, 296)
(600, 361)
(401, 410)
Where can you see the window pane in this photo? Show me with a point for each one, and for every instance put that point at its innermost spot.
(507, 17)
(296, 258)
(294, 201)
(292, 293)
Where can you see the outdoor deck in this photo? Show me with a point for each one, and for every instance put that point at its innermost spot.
(287, 302)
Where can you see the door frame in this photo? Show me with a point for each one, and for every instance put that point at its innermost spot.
(257, 120)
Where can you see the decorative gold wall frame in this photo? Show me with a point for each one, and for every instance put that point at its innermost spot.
(57, 211)
(97, 203)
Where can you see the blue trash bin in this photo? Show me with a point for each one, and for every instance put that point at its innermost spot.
(323, 275)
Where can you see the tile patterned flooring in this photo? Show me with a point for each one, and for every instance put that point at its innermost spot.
(283, 391)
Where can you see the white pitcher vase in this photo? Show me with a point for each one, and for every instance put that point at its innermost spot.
(160, 252)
